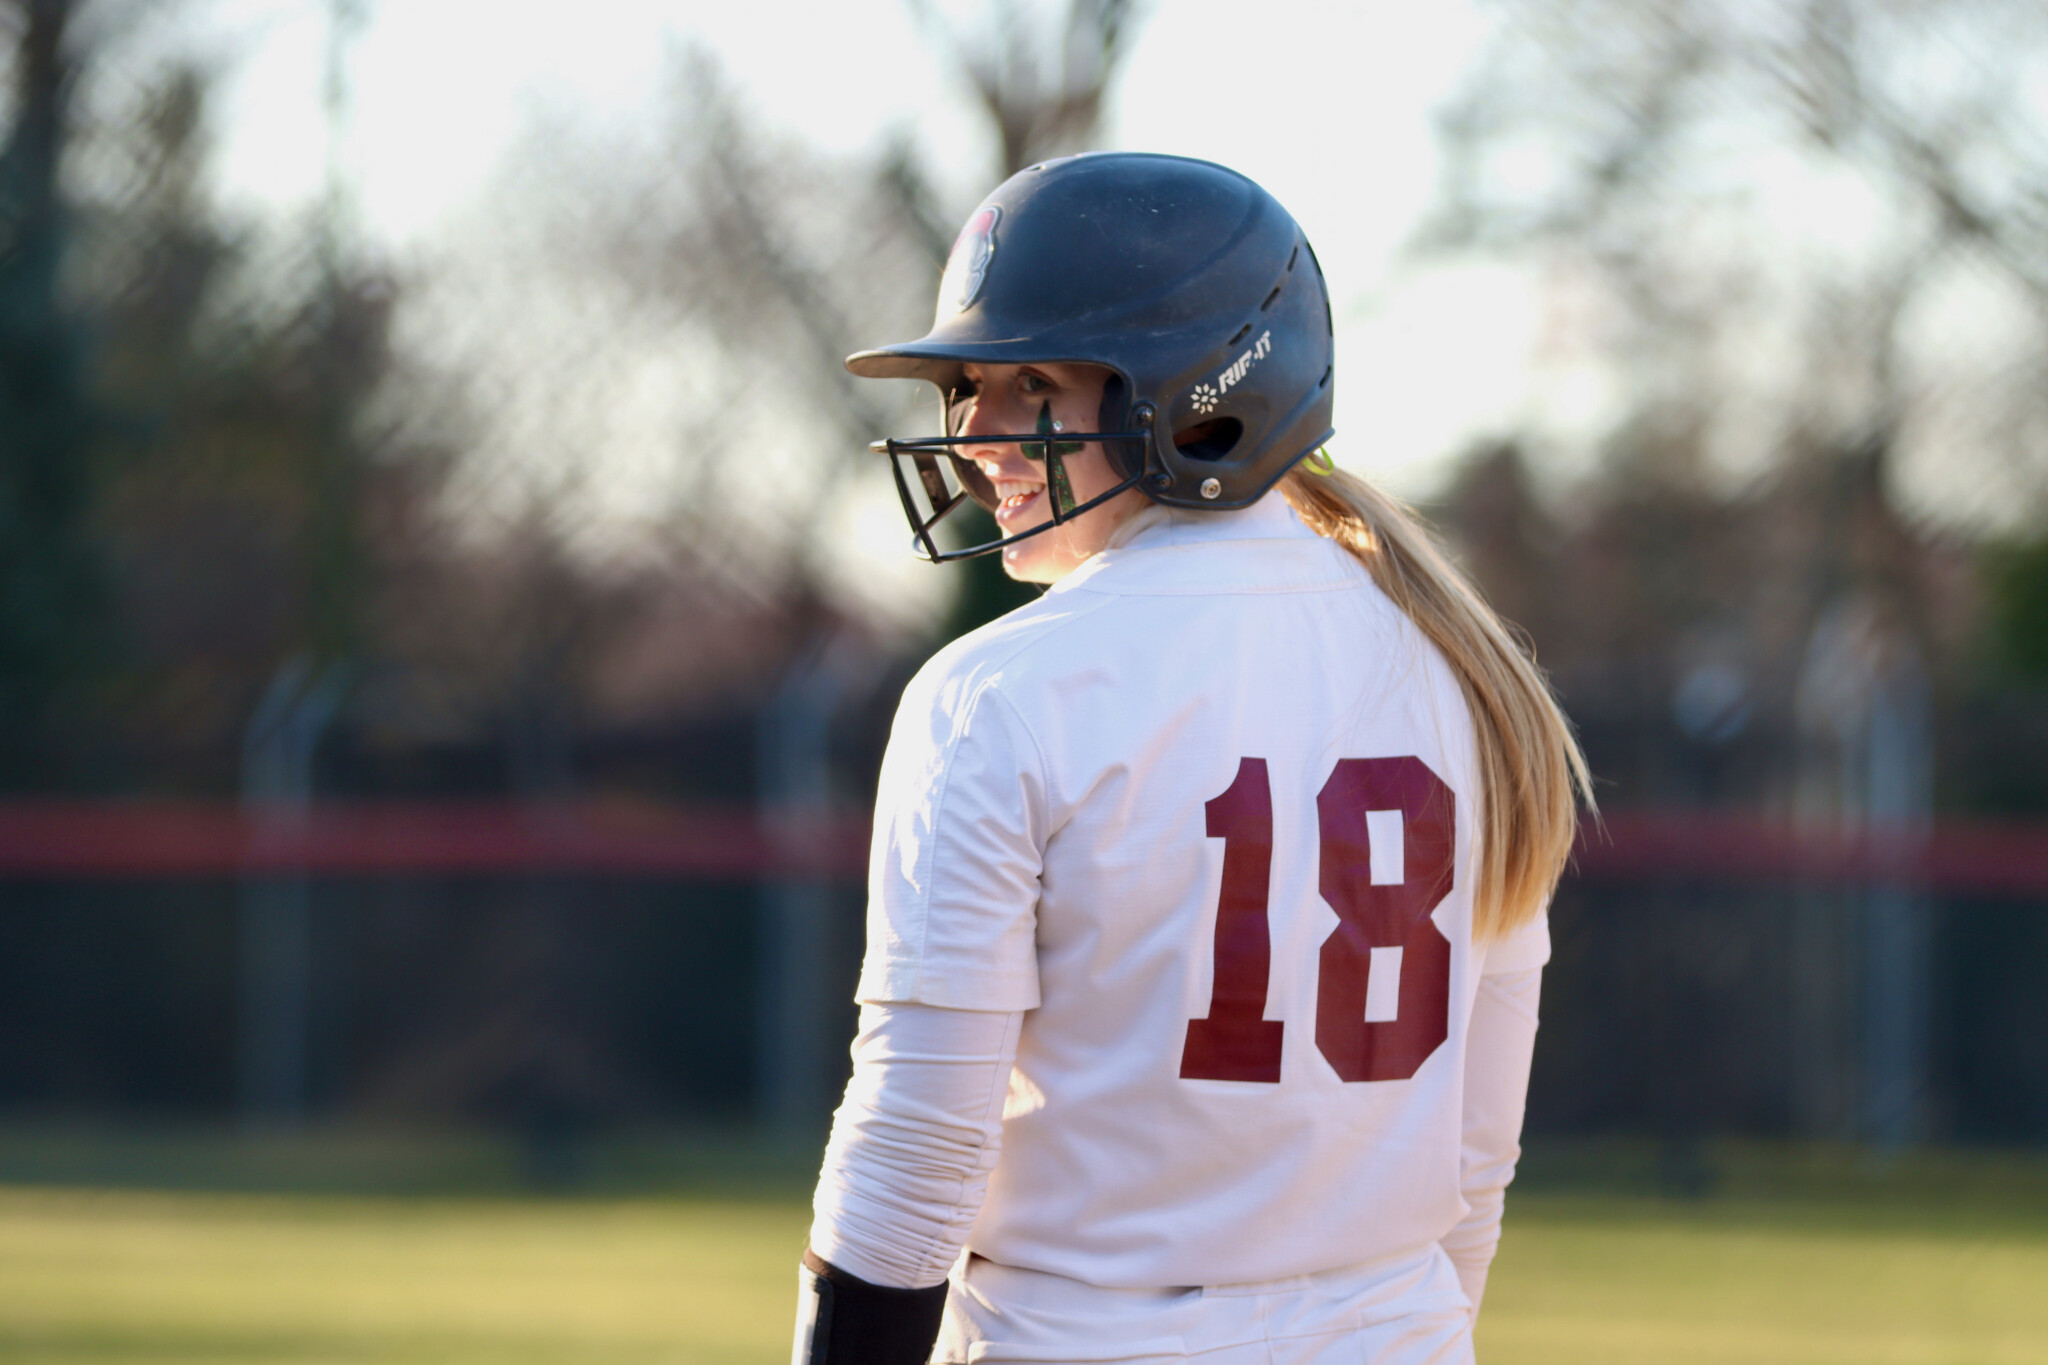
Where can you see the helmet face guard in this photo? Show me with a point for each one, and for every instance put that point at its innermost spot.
(933, 487)
(1186, 281)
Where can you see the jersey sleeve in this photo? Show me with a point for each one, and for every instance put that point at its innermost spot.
(1524, 949)
(1497, 1060)
(913, 1142)
(960, 829)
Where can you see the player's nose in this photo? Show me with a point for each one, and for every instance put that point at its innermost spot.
(994, 457)
(980, 418)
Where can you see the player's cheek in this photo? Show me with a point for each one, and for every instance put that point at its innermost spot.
(1079, 416)
(1090, 472)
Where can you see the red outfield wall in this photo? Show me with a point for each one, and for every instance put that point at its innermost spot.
(146, 840)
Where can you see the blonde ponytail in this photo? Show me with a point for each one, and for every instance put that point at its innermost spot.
(1530, 763)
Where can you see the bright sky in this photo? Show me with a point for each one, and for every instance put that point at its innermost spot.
(1327, 104)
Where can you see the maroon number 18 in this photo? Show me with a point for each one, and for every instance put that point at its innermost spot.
(1367, 1030)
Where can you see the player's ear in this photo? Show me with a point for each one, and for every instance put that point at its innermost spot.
(1210, 440)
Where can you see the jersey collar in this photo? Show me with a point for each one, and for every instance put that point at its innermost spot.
(1162, 549)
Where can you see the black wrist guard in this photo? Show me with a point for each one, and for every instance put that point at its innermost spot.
(850, 1322)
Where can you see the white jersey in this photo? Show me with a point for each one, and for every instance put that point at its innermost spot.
(1205, 810)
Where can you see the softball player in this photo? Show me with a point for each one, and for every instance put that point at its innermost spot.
(1207, 891)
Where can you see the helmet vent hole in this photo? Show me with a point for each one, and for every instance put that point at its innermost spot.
(1269, 299)
(1324, 381)
(1291, 256)
(1211, 440)
(1239, 335)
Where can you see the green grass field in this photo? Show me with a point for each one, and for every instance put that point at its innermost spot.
(1795, 1257)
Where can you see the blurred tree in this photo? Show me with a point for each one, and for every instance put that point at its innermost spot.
(1804, 245)
(1808, 242)
(792, 264)
(1040, 72)
(238, 477)
(1779, 211)
(54, 629)
(2018, 571)
(186, 468)
(2001, 736)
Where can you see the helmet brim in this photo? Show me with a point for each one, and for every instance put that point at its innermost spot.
(940, 361)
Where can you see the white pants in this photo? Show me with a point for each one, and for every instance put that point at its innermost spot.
(1406, 1312)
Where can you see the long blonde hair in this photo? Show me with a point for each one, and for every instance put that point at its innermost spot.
(1530, 765)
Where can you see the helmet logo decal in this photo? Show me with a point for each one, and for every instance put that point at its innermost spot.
(1242, 366)
(1205, 398)
(967, 266)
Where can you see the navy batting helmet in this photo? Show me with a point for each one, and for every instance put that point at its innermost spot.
(1184, 279)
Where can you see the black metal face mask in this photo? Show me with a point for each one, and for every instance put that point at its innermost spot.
(931, 488)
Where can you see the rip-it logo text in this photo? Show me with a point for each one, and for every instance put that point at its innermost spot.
(1242, 366)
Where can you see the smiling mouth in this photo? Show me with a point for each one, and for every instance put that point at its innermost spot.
(1015, 497)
